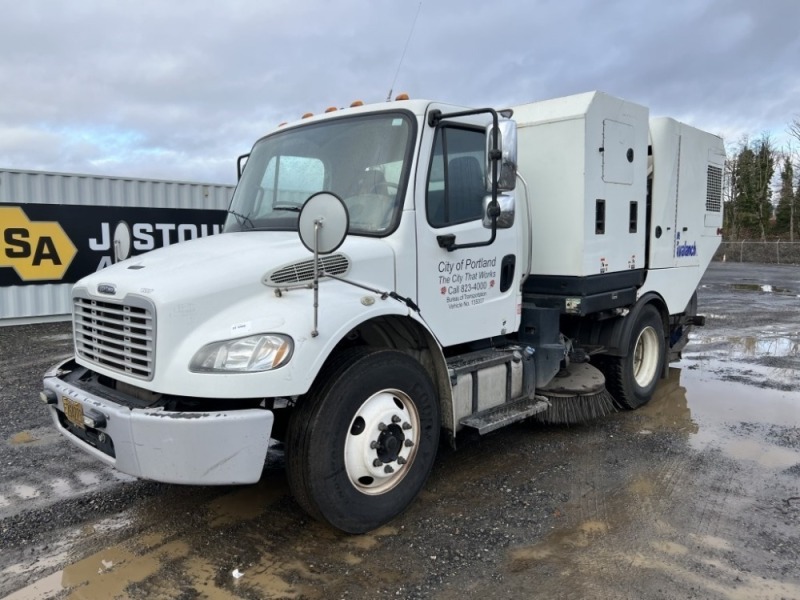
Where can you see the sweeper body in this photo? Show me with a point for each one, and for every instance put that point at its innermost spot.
(391, 273)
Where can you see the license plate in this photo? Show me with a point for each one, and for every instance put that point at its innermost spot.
(74, 411)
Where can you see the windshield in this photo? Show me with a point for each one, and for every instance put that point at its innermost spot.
(363, 160)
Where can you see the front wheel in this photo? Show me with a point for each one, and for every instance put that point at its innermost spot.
(361, 447)
(632, 378)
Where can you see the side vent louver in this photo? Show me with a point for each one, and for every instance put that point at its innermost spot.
(303, 272)
(714, 189)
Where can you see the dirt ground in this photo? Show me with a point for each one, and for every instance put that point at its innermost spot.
(696, 495)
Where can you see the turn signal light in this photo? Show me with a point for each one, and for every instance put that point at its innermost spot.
(48, 397)
(94, 419)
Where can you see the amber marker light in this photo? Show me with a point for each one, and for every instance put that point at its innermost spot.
(330, 109)
(307, 115)
(402, 96)
(355, 103)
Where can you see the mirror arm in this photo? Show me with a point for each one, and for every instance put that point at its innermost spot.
(239, 165)
(448, 241)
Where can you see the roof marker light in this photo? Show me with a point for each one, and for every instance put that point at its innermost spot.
(330, 109)
(307, 115)
(355, 103)
(402, 96)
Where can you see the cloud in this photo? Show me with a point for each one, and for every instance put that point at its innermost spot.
(178, 90)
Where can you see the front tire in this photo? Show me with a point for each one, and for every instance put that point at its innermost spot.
(632, 379)
(361, 447)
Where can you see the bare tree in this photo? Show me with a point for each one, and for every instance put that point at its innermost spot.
(794, 156)
(730, 223)
(794, 128)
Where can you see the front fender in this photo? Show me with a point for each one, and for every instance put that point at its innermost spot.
(342, 307)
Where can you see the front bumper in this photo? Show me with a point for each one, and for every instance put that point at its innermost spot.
(200, 448)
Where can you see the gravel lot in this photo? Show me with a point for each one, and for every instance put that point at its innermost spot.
(696, 495)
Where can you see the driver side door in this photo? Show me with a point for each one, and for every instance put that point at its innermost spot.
(468, 293)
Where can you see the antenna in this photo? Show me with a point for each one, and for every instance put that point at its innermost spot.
(402, 56)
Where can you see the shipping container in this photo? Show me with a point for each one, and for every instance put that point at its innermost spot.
(57, 227)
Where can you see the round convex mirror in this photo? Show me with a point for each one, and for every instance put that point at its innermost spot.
(122, 241)
(331, 214)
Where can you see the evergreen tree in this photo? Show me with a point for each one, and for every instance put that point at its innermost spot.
(785, 217)
(754, 167)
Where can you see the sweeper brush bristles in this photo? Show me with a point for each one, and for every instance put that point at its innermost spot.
(572, 410)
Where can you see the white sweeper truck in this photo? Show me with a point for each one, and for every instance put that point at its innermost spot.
(389, 274)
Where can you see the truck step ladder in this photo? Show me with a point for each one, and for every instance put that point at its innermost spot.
(505, 414)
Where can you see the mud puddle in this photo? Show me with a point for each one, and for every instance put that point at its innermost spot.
(675, 529)
(764, 288)
(249, 543)
(686, 497)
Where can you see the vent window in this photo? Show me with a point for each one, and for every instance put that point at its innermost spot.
(714, 189)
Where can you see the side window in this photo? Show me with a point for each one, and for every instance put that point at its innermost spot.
(456, 180)
(289, 180)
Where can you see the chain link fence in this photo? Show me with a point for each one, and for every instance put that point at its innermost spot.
(778, 252)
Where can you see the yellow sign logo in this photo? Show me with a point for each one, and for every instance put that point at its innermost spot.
(37, 250)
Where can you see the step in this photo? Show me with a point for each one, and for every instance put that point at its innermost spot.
(505, 414)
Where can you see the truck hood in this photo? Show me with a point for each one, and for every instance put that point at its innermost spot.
(233, 264)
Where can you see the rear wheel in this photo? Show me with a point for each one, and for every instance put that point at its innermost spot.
(362, 446)
(632, 378)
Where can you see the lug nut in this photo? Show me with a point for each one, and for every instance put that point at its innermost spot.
(401, 460)
(377, 462)
(409, 443)
(388, 469)
(381, 426)
(374, 444)
(406, 426)
(395, 419)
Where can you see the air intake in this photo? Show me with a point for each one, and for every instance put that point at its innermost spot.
(714, 189)
(303, 272)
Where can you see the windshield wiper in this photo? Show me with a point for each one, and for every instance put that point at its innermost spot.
(288, 207)
(242, 219)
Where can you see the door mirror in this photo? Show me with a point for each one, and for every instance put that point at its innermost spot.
(505, 219)
(507, 166)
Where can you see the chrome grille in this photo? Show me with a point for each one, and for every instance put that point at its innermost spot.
(335, 264)
(118, 336)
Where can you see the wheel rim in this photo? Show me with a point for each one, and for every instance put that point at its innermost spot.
(381, 442)
(646, 356)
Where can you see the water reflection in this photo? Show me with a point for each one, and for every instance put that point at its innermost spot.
(764, 288)
(766, 360)
(669, 408)
(747, 346)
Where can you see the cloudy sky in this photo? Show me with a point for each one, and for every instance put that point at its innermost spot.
(176, 90)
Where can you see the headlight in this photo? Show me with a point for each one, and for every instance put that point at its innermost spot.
(244, 355)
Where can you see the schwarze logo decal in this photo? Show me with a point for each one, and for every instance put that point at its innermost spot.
(36, 250)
